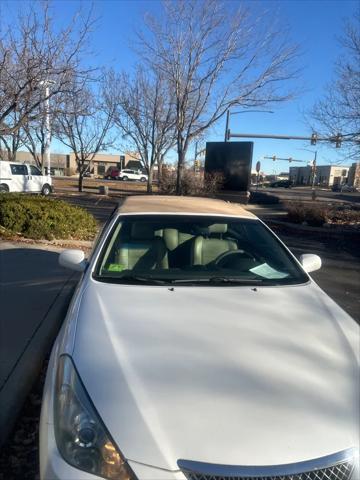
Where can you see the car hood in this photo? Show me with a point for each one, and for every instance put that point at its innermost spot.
(230, 375)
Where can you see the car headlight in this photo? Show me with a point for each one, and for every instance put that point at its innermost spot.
(80, 435)
(356, 472)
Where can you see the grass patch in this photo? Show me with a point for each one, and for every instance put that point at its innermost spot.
(44, 218)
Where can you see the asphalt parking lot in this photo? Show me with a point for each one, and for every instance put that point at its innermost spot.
(339, 277)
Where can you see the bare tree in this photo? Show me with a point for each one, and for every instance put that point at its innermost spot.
(339, 110)
(35, 138)
(10, 144)
(214, 58)
(143, 112)
(32, 53)
(83, 127)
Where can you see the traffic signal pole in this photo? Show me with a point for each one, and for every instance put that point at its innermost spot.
(312, 139)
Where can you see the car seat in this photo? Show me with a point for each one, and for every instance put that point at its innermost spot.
(143, 250)
(208, 246)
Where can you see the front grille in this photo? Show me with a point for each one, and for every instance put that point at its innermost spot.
(337, 466)
(342, 471)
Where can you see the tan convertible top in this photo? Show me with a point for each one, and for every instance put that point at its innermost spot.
(174, 204)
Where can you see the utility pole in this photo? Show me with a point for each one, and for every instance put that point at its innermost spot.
(313, 191)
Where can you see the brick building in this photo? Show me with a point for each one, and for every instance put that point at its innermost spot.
(65, 164)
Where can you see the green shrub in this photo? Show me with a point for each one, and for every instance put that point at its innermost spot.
(38, 217)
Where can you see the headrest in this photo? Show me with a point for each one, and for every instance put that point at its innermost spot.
(142, 231)
(171, 238)
(218, 228)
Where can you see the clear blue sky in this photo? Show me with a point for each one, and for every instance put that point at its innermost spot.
(314, 24)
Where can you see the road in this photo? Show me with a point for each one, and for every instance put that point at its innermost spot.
(91, 185)
(304, 194)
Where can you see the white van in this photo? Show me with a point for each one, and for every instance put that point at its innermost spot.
(23, 177)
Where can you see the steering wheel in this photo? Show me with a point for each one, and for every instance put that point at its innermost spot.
(222, 259)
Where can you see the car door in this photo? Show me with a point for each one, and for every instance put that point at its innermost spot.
(19, 177)
(36, 179)
(136, 175)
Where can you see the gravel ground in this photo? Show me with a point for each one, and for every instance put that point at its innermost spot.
(19, 457)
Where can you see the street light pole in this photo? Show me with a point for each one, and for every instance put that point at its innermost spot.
(47, 155)
(47, 129)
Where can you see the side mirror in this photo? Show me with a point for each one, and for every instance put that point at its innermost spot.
(310, 262)
(73, 259)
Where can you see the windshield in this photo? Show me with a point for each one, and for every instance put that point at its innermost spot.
(170, 249)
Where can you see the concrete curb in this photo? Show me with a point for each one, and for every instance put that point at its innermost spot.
(55, 245)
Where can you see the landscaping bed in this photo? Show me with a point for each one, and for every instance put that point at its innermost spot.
(36, 217)
(315, 214)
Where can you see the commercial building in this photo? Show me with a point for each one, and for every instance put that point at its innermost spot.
(354, 175)
(65, 164)
(325, 176)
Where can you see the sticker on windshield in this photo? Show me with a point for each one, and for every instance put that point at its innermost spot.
(266, 271)
(115, 267)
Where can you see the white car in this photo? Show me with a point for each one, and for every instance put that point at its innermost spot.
(132, 175)
(198, 347)
(23, 177)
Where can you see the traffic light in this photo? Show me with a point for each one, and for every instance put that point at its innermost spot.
(338, 139)
(290, 159)
(274, 158)
(313, 138)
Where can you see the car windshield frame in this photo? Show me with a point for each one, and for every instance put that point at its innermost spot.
(199, 276)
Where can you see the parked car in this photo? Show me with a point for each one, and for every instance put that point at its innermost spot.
(281, 183)
(112, 173)
(198, 347)
(128, 174)
(344, 188)
(23, 177)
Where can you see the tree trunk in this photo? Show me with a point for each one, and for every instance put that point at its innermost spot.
(160, 164)
(150, 179)
(180, 171)
(80, 183)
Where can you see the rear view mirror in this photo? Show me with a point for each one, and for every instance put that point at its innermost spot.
(73, 259)
(310, 262)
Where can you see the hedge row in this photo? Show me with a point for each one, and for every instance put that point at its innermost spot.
(45, 218)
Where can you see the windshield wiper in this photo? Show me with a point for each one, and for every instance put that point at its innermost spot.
(243, 281)
(133, 279)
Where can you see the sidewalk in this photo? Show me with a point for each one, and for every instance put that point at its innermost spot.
(34, 295)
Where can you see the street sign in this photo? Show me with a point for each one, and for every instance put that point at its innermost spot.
(258, 166)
